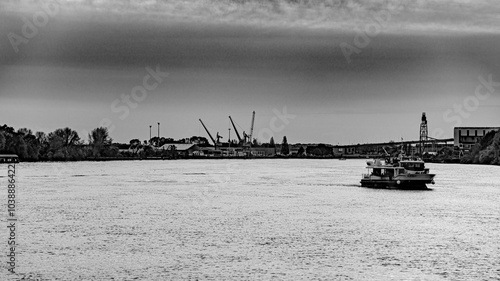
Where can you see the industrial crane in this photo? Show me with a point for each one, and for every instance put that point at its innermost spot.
(236, 130)
(210, 135)
(246, 138)
(251, 128)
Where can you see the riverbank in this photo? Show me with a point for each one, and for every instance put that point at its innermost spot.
(110, 159)
(64, 145)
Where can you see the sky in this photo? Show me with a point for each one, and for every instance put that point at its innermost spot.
(328, 71)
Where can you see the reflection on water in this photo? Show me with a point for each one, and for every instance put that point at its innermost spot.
(253, 219)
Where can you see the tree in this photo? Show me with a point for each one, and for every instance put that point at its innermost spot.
(71, 137)
(18, 146)
(2, 141)
(24, 131)
(63, 144)
(134, 142)
(146, 151)
(134, 145)
(496, 145)
(201, 141)
(28, 145)
(255, 143)
(173, 151)
(487, 139)
(67, 137)
(153, 141)
(55, 142)
(285, 149)
(43, 142)
(41, 137)
(100, 136)
(301, 151)
(110, 151)
(162, 141)
(7, 130)
(272, 144)
(99, 140)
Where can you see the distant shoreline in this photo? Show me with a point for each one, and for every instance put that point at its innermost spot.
(109, 159)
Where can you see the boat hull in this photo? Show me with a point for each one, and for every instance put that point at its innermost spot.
(400, 182)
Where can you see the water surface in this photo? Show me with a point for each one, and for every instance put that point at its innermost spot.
(253, 219)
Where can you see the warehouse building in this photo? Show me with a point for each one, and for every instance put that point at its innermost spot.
(466, 137)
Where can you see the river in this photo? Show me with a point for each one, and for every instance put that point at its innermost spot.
(284, 219)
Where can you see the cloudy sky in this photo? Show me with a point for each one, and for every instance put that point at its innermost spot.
(344, 71)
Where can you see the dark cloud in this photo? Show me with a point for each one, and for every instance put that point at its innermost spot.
(403, 15)
(249, 55)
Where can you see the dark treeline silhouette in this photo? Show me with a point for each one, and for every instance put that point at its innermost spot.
(61, 144)
(66, 145)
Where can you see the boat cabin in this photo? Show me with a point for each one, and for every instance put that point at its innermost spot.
(9, 158)
(394, 168)
(412, 165)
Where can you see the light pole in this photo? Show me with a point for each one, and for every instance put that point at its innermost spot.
(150, 134)
(158, 143)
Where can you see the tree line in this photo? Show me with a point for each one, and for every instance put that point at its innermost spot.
(65, 144)
(61, 144)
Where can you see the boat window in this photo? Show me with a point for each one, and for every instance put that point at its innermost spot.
(413, 166)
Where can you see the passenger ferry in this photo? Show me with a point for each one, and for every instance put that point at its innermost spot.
(398, 173)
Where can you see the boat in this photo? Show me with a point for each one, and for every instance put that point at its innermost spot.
(397, 173)
(9, 158)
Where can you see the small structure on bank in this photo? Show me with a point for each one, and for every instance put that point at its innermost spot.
(182, 149)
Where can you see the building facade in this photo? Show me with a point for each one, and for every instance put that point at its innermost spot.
(466, 137)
